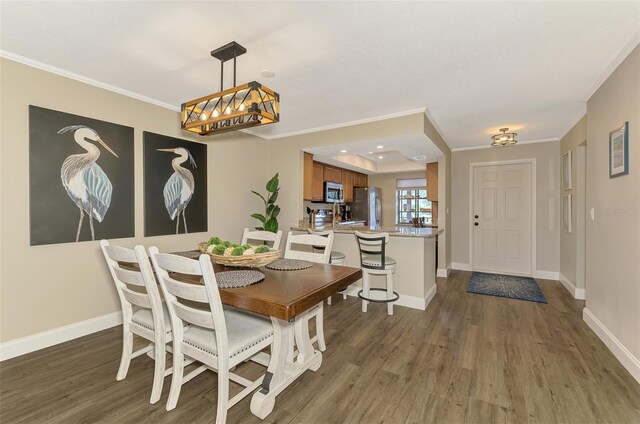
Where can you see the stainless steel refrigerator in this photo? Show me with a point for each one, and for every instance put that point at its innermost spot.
(367, 205)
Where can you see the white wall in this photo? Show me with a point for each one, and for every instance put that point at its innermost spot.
(46, 287)
(568, 241)
(613, 238)
(547, 157)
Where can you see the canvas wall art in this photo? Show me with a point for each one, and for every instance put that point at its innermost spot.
(175, 185)
(80, 178)
(619, 151)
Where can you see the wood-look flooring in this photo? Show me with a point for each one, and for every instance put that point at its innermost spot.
(468, 358)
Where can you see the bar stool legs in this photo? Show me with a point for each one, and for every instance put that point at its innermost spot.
(365, 290)
(390, 293)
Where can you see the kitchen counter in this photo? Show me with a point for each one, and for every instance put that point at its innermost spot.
(398, 231)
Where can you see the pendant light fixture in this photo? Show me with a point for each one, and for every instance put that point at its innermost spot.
(243, 106)
(504, 138)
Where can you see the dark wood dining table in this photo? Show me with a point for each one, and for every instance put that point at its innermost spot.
(285, 297)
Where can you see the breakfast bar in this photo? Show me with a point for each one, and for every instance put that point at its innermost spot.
(414, 249)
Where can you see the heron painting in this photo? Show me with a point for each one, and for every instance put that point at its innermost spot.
(175, 180)
(179, 187)
(81, 178)
(85, 182)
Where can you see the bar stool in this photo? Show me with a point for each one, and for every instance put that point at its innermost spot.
(337, 258)
(373, 261)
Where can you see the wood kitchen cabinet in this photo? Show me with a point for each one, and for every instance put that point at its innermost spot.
(432, 181)
(317, 185)
(360, 180)
(308, 177)
(332, 174)
(347, 185)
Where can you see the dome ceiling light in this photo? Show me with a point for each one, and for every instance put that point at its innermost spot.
(243, 106)
(504, 138)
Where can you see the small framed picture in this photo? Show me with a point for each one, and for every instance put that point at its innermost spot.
(566, 213)
(566, 171)
(619, 151)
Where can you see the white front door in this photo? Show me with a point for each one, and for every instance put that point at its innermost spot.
(502, 219)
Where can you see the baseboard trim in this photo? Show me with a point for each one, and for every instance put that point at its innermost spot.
(412, 302)
(626, 358)
(29, 344)
(430, 295)
(547, 275)
(460, 266)
(580, 294)
(442, 272)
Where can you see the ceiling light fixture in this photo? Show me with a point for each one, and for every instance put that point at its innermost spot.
(343, 151)
(243, 106)
(380, 147)
(380, 157)
(504, 138)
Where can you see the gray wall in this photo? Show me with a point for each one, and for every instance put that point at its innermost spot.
(547, 157)
(46, 287)
(613, 238)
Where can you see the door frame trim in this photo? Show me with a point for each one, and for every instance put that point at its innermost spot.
(533, 163)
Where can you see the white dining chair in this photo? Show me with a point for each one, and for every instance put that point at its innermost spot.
(336, 258)
(374, 261)
(143, 312)
(219, 338)
(262, 236)
(308, 241)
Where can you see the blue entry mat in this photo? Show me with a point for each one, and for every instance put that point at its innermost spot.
(512, 287)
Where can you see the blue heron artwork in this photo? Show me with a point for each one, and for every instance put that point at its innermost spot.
(175, 185)
(81, 178)
(85, 182)
(179, 187)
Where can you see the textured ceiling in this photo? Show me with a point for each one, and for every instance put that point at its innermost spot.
(476, 66)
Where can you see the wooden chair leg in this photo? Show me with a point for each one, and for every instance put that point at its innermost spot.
(223, 395)
(320, 328)
(390, 293)
(127, 350)
(176, 379)
(158, 375)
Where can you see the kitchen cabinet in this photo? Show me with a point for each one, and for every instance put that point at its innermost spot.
(432, 181)
(317, 185)
(347, 184)
(332, 174)
(360, 180)
(308, 177)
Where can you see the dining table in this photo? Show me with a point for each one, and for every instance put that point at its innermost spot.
(285, 297)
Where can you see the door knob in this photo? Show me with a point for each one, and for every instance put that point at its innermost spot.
(476, 216)
(476, 224)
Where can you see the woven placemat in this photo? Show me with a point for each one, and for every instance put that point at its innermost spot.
(289, 264)
(239, 278)
(191, 254)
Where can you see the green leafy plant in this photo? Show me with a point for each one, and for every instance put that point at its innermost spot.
(269, 220)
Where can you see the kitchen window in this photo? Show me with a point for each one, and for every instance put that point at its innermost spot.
(411, 201)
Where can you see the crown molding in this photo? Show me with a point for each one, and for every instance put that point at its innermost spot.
(71, 75)
(620, 57)
(341, 125)
(488, 146)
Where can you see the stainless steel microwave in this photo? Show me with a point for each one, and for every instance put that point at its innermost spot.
(333, 192)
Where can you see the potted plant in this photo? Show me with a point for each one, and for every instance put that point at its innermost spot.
(269, 220)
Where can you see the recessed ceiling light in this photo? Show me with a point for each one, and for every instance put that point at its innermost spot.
(267, 73)
(380, 147)
(370, 153)
(343, 151)
(380, 157)
(421, 157)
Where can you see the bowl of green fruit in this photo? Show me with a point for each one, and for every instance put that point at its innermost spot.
(232, 254)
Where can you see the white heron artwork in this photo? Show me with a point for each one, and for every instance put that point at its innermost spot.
(180, 187)
(85, 182)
